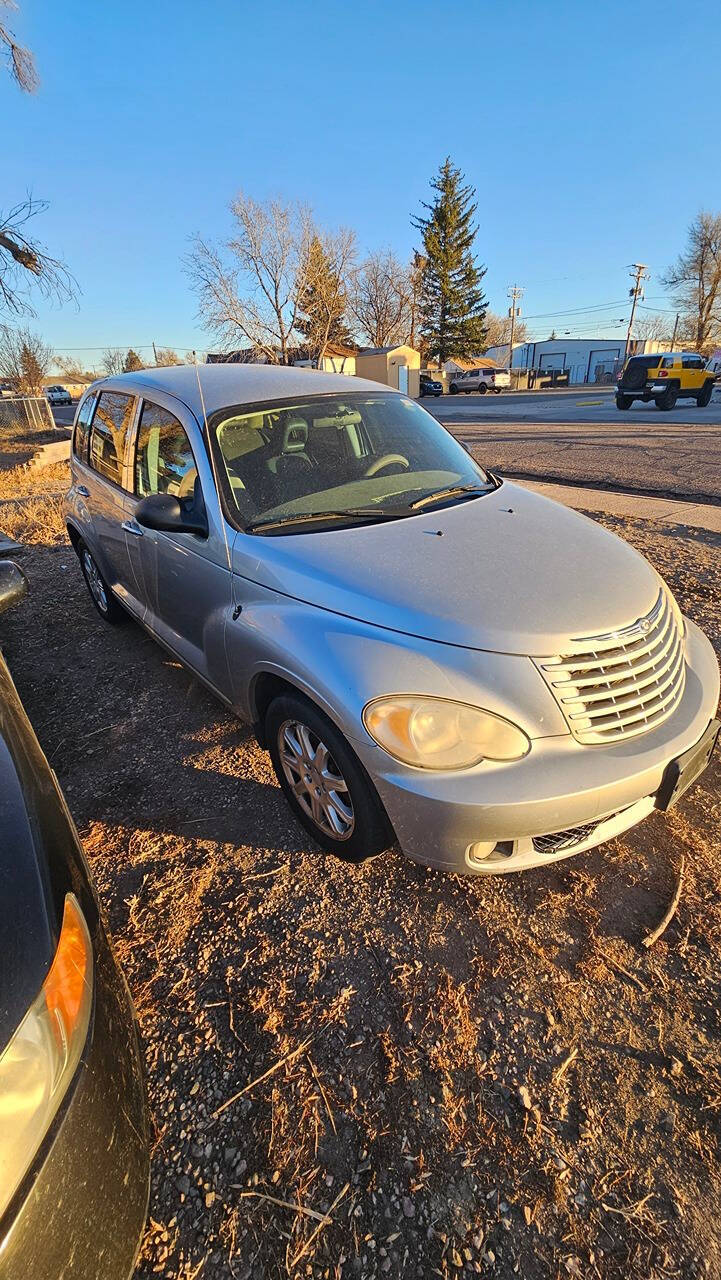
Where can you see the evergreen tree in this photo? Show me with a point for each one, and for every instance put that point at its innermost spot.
(322, 299)
(453, 306)
(132, 362)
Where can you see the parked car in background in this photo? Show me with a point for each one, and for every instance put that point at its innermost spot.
(431, 654)
(58, 395)
(430, 386)
(665, 377)
(6, 390)
(74, 1156)
(481, 380)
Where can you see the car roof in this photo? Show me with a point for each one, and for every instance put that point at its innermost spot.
(234, 384)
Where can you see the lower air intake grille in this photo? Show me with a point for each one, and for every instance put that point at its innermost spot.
(616, 685)
(563, 839)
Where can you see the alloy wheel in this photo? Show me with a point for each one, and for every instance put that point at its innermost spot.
(95, 582)
(315, 780)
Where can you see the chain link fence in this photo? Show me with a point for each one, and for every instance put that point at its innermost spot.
(26, 413)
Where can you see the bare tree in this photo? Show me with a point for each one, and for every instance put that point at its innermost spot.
(24, 360)
(652, 325)
(111, 361)
(380, 300)
(22, 63)
(499, 330)
(694, 280)
(72, 371)
(25, 264)
(250, 289)
(165, 356)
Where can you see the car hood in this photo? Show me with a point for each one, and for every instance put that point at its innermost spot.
(511, 572)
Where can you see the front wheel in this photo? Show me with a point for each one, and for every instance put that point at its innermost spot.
(623, 402)
(324, 782)
(704, 396)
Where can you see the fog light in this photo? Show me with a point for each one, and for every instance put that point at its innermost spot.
(481, 850)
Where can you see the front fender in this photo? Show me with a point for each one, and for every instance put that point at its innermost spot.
(341, 663)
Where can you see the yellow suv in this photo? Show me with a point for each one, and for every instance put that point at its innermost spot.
(664, 377)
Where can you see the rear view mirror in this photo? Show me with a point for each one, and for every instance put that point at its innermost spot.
(165, 513)
(13, 584)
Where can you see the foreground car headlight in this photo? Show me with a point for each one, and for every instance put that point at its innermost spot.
(434, 733)
(40, 1060)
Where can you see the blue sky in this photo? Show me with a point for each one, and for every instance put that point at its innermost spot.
(591, 132)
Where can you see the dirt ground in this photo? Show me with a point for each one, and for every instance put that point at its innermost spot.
(467, 1076)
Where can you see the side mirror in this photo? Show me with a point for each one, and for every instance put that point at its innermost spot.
(13, 584)
(165, 513)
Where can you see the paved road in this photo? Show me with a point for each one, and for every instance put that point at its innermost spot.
(63, 414)
(587, 405)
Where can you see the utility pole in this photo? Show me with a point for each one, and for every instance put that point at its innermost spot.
(515, 294)
(638, 273)
(155, 354)
(675, 331)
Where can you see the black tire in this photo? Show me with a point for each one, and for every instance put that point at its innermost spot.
(370, 832)
(482, 389)
(453, 389)
(497, 390)
(623, 402)
(634, 377)
(667, 400)
(100, 594)
(704, 396)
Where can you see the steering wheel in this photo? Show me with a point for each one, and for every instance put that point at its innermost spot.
(386, 460)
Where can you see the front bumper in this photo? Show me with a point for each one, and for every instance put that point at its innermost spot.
(82, 1207)
(559, 785)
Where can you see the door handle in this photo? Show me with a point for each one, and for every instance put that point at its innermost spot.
(82, 490)
(131, 526)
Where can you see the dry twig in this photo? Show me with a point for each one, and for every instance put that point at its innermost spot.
(561, 1070)
(326, 1219)
(288, 1057)
(284, 1204)
(650, 938)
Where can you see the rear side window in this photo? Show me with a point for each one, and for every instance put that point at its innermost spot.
(164, 460)
(109, 434)
(82, 428)
(692, 362)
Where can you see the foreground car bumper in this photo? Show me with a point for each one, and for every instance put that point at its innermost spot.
(561, 799)
(81, 1210)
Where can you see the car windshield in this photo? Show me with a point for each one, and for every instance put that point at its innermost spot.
(355, 456)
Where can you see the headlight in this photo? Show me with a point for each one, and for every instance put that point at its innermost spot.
(433, 733)
(40, 1060)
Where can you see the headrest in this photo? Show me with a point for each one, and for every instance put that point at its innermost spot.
(295, 436)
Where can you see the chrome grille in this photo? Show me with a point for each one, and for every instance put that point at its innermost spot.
(622, 683)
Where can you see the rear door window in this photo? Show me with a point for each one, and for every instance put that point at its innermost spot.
(164, 461)
(692, 362)
(109, 434)
(82, 428)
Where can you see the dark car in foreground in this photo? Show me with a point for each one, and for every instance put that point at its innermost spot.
(74, 1158)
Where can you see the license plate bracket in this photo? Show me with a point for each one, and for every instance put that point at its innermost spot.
(682, 772)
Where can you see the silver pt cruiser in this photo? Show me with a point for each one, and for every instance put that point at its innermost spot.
(431, 654)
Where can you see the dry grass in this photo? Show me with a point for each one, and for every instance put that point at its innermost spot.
(31, 511)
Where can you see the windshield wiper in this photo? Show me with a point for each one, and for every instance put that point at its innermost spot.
(455, 491)
(353, 515)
